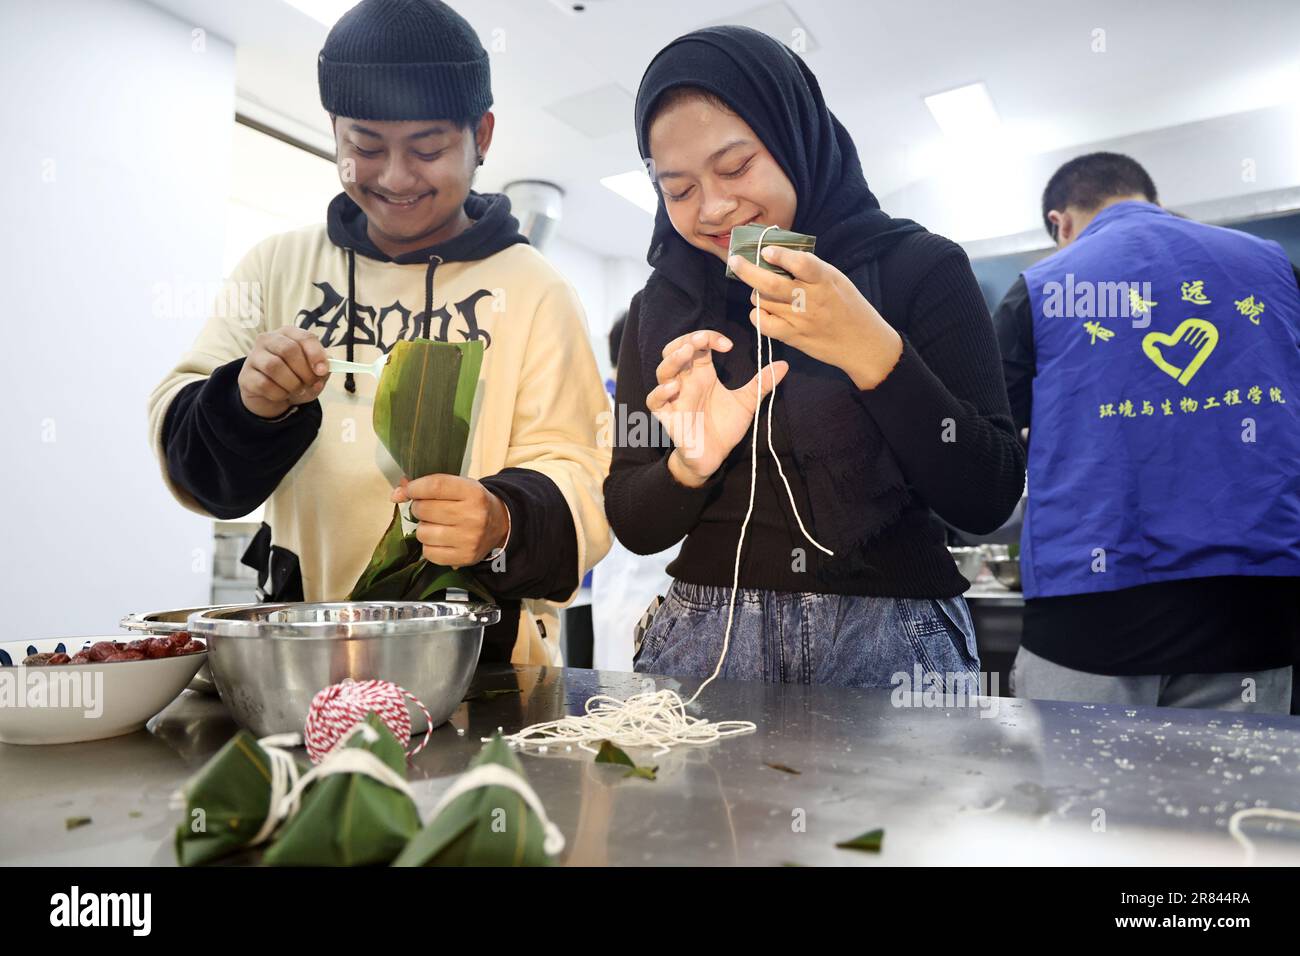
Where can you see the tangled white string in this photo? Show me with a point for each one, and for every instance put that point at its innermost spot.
(1234, 825)
(655, 719)
(658, 719)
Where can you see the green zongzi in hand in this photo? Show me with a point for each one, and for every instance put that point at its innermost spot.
(744, 243)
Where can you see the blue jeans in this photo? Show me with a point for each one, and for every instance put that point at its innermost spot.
(806, 638)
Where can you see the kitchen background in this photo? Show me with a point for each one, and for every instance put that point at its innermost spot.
(148, 145)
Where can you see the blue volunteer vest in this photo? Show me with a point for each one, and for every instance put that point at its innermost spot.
(1165, 433)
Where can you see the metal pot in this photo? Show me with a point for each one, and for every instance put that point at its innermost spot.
(270, 660)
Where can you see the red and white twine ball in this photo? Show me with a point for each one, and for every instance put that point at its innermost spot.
(338, 708)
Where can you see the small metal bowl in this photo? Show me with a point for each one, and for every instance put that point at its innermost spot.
(1006, 571)
(270, 660)
(970, 562)
(156, 623)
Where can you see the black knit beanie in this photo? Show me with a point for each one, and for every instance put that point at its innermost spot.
(404, 60)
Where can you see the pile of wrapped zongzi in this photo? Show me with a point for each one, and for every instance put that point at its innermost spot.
(355, 808)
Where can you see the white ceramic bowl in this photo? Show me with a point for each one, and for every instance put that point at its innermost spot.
(67, 703)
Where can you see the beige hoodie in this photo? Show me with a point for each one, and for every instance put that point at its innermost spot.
(539, 403)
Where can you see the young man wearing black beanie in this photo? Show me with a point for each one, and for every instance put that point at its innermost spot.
(250, 414)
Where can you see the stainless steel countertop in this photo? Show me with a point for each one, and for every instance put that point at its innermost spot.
(993, 593)
(1002, 782)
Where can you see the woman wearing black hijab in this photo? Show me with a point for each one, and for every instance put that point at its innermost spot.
(890, 407)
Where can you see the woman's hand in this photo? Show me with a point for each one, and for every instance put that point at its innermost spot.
(704, 418)
(821, 313)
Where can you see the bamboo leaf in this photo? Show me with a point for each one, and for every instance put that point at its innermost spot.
(422, 411)
(392, 553)
(869, 842)
(783, 768)
(487, 826)
(394, 586)
(431, 578)
(233, 791)
(423, 404)
(608, 753)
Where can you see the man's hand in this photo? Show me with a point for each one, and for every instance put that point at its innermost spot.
(461, 522)
(287, 367)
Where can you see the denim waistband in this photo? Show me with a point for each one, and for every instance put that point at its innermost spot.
(713, 595)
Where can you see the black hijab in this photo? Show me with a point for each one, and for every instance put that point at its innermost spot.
(854, 484)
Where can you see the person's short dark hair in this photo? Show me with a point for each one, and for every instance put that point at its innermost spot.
(616, 338)
(1088, 181)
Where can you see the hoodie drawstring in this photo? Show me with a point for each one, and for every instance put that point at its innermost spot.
(350, 382)
(434, 262)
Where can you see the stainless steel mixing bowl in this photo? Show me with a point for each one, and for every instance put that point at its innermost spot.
(269, 660)
(1007, 572)
(970, 562)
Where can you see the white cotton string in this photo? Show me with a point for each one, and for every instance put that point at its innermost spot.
(771, 410)
(347, 760)
(753, 472)
(495, 775)
(1234, 825)
(284, 777)
(655, 719)
(658, 718)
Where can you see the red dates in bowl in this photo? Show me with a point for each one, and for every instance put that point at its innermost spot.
(112, 652)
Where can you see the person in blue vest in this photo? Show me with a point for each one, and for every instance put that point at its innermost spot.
(1155, 362)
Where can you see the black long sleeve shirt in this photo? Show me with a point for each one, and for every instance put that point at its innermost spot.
(948, 370)
(230, 461)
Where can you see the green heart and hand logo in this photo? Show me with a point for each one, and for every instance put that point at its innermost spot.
(1198, 333)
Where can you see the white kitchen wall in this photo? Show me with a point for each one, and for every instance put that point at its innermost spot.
(1210, 169)
(274, 187)
(605, 284)
(624, 278)
(117, 122)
